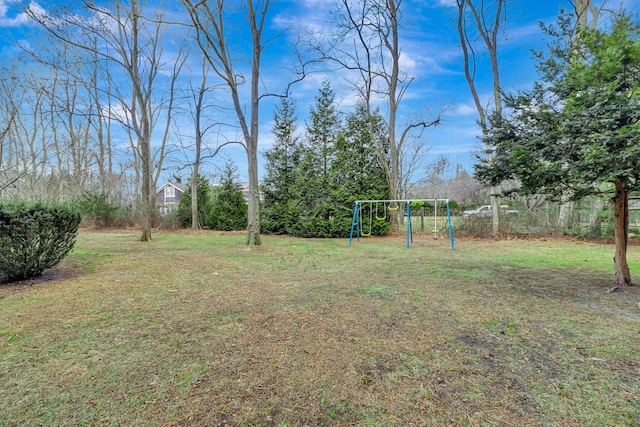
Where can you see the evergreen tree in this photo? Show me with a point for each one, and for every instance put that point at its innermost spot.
(324, 127)
(183, 213)
(282, 161)
(356, 172)
(310, 187)
(228, 208)
(310, 197)
(324, 203)
(576, 132)
(310, 204)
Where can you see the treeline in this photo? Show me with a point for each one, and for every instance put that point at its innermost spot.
(312, 179)
(220, 207)
(104, 101)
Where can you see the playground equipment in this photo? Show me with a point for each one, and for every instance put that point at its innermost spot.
(370, 211)
(364, 212)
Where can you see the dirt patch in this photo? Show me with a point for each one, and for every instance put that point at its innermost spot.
(582, 288)
(65, 270)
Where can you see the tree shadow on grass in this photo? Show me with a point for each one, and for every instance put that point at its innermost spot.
(585, 288)
(65, 270)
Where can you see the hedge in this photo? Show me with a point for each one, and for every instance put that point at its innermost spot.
(34, 237)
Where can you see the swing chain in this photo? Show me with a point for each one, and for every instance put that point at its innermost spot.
(362, 232)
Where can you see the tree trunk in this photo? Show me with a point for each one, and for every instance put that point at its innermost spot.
(582, 8)
(147, 204)
(395, 215)
(621, 233)
(490, 36)
(495, 215)
(253, 217)
(148, 196)
(253, 227)
(565, 217)
(195, 221)
(599, 210)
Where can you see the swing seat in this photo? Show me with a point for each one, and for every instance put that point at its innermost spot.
(361, 225)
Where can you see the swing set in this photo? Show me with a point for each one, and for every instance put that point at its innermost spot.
(366, 211)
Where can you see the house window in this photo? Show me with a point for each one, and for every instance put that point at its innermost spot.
(169, 192)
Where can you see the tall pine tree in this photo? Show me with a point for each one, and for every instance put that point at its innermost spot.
(324, 127)
(356, 173)
(282, 161)
(311, 184)
(577, 132)
(311, 205)
(228, 208)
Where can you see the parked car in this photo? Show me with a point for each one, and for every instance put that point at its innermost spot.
(486, 212)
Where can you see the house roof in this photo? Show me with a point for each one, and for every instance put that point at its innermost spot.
(178, 185)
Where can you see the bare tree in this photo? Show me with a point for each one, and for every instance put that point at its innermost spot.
(199, 96)
(587, 15)
(464, 188)
(437, 176)
(8, 113)
(67, 84)
(28, 140)
(412, 155)
(482, 21)
(99, 108)
(213, 36)
(131, 42)
(369, 44)
(27, 148)
(70, 119)
(199, 147)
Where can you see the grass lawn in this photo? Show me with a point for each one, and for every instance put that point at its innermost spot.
(196, 329)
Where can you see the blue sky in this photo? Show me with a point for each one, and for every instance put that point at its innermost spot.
(430, 52)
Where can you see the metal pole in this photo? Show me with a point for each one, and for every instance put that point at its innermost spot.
(356, 221)
(450, 226)
(408, 224)
(353, 223)
(435, 219)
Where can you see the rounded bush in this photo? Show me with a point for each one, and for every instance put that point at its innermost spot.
(34, 237)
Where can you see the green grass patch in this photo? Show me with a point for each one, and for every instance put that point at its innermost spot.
(199, 329)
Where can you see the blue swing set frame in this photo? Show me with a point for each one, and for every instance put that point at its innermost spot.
(356, 223)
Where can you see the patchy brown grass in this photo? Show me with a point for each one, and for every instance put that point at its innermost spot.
(196, 329)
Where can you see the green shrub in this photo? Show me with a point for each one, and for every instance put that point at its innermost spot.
(203, 192)
(227, 210)
(97, 209)
(276, 218)
(34, 237)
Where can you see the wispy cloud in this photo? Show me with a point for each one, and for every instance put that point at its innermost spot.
(524, 32)
(407, 63)
(6, 20)
(446, 3)
(310, 14)
(13, 17)
(464, 110)
(453, 149)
